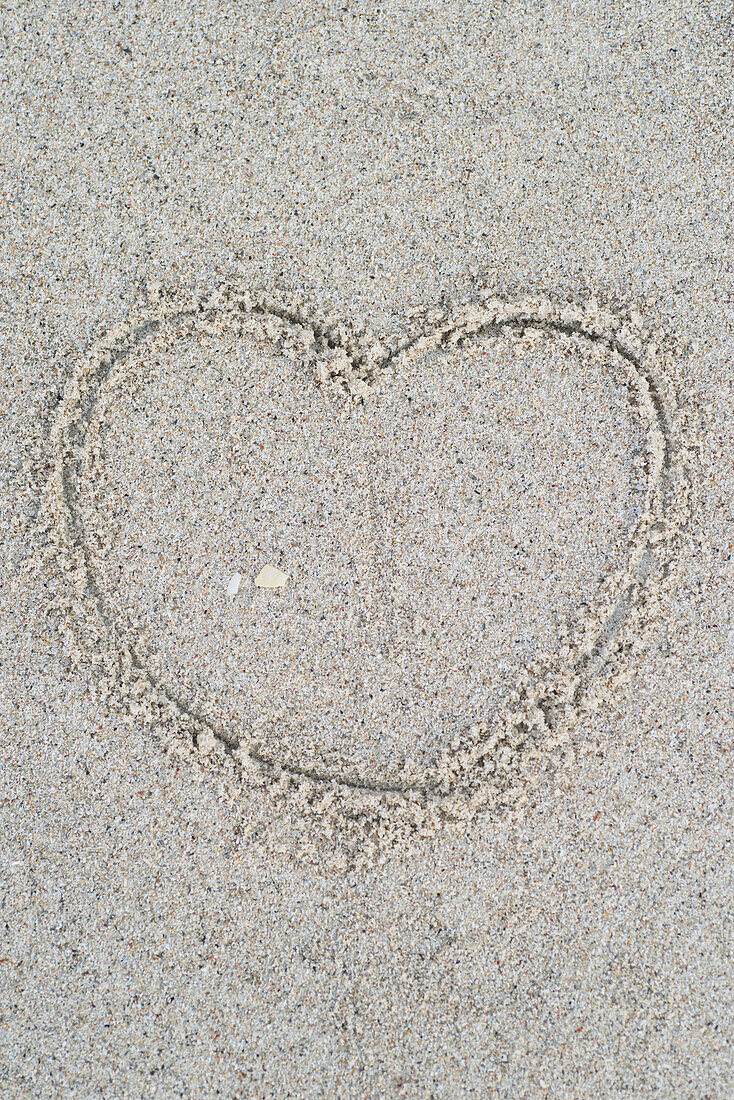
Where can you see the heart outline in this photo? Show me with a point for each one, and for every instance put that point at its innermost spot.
(484, 766)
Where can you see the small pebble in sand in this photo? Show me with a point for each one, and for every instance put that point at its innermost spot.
(270, 577)
(234, 585)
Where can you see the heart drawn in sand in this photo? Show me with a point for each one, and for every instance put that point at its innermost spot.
(431, 532)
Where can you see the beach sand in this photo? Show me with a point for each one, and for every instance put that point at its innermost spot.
(431, 310)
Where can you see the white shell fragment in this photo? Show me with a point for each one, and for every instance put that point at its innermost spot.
(234, 585)
(270, 577)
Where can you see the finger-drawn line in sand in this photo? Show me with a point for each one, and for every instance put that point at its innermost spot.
(485, 767)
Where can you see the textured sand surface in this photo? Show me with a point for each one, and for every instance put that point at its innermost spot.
(178, 925)
(432, 538)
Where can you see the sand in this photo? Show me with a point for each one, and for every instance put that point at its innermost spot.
(432, 312)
